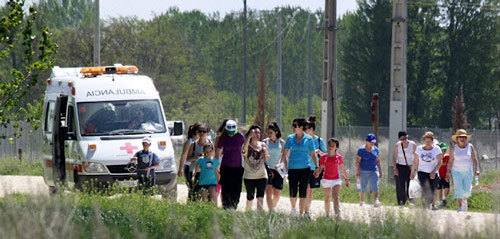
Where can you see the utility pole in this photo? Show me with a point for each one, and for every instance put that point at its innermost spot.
(244, 95)
(397, 113)
(278, 74)
(97, 33)
(329, 86)
(309, 67)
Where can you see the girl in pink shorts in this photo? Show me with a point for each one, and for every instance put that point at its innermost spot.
(331, 182)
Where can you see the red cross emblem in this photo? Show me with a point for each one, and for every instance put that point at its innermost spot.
(129, 148)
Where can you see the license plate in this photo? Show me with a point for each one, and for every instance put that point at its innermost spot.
(127, 183)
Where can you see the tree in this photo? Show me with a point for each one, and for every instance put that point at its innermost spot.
(260, 114)
(458, 112)
(17, 35)
(364, 61)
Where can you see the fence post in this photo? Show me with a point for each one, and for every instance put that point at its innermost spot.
(349, 152)
(496, 148)
(20, 154)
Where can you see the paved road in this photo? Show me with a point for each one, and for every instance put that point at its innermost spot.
(353, 212)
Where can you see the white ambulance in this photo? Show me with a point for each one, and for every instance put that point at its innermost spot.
(94, 120)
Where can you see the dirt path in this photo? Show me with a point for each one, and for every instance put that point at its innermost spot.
(349, 211)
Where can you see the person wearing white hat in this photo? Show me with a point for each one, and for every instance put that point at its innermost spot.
(229, 145)
(147, 162)
(463, 160)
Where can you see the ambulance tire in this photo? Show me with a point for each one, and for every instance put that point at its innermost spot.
(78, 184)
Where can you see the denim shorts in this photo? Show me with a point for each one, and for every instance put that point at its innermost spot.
(369, 177)
(462, 182)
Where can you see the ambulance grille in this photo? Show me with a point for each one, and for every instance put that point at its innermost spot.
(118, 169)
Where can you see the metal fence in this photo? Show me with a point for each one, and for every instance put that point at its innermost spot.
(351, 138)
(28, 147)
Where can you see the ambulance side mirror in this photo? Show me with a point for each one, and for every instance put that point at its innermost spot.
(177, 128)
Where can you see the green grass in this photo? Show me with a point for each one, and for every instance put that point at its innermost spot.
(88, 215)
(12, 166)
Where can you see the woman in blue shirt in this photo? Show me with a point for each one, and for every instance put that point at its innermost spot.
(275, 145)
(300, 146)
(368, 169)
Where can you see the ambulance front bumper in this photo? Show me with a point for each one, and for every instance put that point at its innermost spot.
(165, 178)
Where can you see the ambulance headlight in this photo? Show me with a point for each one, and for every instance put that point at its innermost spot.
(166, 163)
(91, 167)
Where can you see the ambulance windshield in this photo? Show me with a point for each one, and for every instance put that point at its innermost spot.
(120, 117)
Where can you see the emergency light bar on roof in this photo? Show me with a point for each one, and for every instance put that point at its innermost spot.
(100, 70)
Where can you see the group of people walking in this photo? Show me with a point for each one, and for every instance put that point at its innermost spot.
(221, 167)
(434, 169)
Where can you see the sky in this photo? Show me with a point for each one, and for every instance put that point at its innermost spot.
(147, 9)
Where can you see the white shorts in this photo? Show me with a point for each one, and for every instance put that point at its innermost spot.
(327, 183)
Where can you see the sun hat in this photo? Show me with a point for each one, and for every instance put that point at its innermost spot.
(231, 127)
(371, 138)
(146, 140)
(460, 133)
(443, 145)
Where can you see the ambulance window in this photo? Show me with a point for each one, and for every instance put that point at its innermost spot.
(71, 119)
(49, 116)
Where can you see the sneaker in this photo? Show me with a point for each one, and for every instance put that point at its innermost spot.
(294, 211)
(377, 203)
(460, 209)
(307, 215)
(412, 202)
(465, 206)
(337, 216)
(434, 208)
(362, 203)
(444, 203)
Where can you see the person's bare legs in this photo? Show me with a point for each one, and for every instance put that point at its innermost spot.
(276, 197)
(336, 203)
(213, 195)
(260, 204)
(309, 193)
(302, 205)
(269, 197)
(362, 197)
(328, 193)
(293, 202)
(249, 204)
(375, 195)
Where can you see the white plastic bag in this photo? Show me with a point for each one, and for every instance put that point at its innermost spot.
(415, 190)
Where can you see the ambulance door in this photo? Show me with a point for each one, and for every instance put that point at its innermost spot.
(59, 134)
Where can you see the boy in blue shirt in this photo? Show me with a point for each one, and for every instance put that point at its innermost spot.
(147, 162)
(209, 169)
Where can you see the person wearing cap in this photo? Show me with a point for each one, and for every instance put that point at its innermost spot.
(147, 162)
(463, 159)
(229, 145)
(428, 160)
(368, 169)
(402, 158)
(443, 187)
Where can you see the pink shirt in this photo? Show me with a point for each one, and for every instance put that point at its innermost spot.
(331, 166)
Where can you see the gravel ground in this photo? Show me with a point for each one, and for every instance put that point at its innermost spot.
(464, 221)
